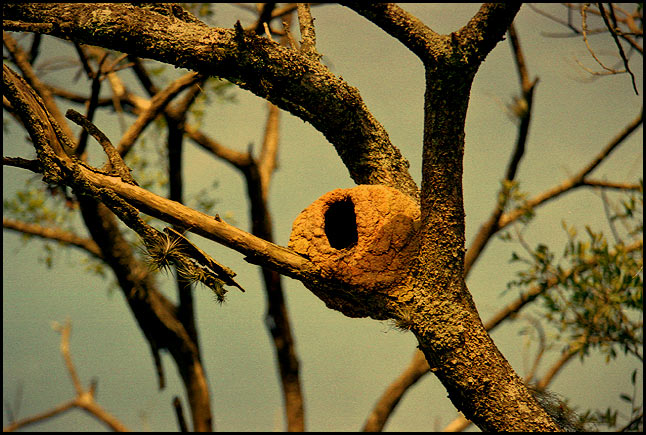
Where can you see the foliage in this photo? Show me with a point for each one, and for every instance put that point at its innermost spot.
(593, 294)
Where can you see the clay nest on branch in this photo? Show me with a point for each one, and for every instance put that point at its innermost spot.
(362, 240)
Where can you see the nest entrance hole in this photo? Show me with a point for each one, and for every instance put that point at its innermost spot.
(341, 224)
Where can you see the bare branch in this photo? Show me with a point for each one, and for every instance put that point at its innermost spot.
(155, 314)
(19, 162)
(578, 179)
(269, 151)
(611, 185)
(58, 410)
(181, 421)
(485, 29)
(258, 251)
(158, 103)
(491, 225)
(613, 32)
(584, 32)
(390, 398)
(20, 58)
(114, 158)
(566, 356)
(308, 34)
(58, 235)
(235, 158)
(84, 398)
(65, 331)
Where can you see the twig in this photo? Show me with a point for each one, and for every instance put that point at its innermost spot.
(584, 31)
(575, 181)
(542, 346)
(158, 103)
(613, 32)
(269, 151)
(179, 413)
(92, 103)
(114, 158)
(84, 398)
(566, 356)
(611, 222)
(308, 34)
(491, 226)
(58, 235)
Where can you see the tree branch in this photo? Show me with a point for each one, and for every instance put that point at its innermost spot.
(84, 398)
(613, 32)
(485, 29)
(58, 235)
(155, 314)
(418, 367)
(398, 23)
(308, 34)
(576, 180)
(525, 103)
(288, 79)
(20, 58)
(157, 105)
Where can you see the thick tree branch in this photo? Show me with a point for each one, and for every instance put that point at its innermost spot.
(485, 29)
(418, 366)
(473, 41)
(442, 313)
(288, 79)
(257, 250)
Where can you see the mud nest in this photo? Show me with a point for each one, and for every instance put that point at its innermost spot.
(360, 238)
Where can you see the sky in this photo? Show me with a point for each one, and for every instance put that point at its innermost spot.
(345, 363)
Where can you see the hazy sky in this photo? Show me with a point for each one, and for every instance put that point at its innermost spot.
(345, 363)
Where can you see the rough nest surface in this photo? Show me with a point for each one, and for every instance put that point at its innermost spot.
(358, 237)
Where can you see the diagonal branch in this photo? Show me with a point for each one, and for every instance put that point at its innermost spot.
(257, 250)
(58, 235)
(620, 48)
(308, 34)
(576, 180)
(20, 58)
(158, 103)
